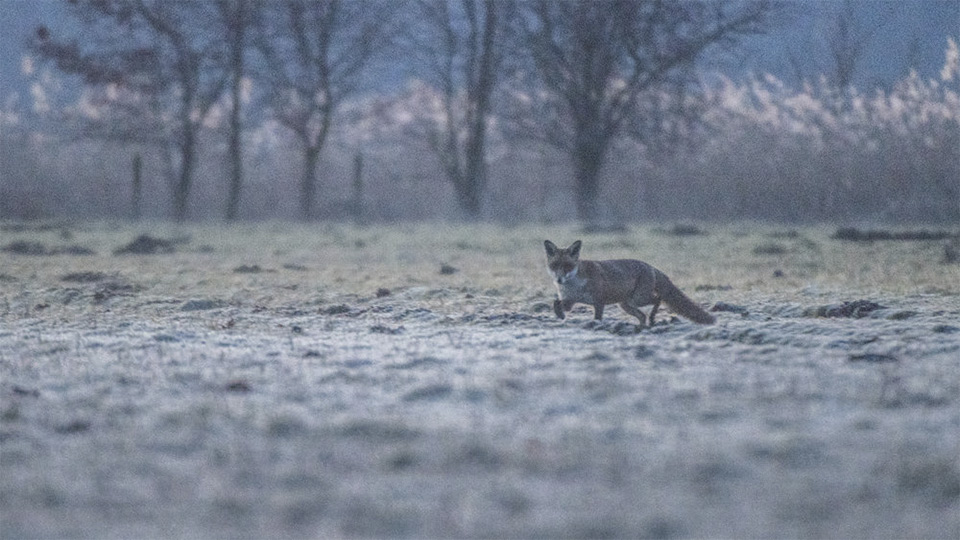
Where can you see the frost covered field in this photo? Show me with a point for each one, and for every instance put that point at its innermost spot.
(331, 381)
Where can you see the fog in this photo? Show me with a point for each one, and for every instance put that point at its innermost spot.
(453, 111)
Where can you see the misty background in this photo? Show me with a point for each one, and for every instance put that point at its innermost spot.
(471, 109)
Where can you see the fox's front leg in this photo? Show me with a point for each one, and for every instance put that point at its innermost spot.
(558, 309)
(560, 306)
(598, 312)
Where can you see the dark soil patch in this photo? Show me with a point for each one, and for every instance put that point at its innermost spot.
(110, 289)
(856, 309)
(701, 288)
(604, 228)
(84, 277)
(72, 250)
(770, 249)
(872, 358)
(23, 247)
(682, 230)
(200, 305)
(731, 308)
(384, 329)
(147, 245)
(239, 385)
(856, 235)
(338, 309)
(250, 269)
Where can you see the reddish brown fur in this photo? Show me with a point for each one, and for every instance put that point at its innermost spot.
(630, 283)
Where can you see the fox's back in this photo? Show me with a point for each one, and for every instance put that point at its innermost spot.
(614, 280)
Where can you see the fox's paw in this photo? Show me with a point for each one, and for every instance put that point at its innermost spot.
(558, 309)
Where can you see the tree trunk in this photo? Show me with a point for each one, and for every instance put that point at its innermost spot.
(308, 183)
(181, 194)
(587, 162)
(469, 193)
(357, 202)
(236, 150)
(236, 155)
(137, 195)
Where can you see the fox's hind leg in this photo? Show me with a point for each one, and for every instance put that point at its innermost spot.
(653, 310)
(634, 311)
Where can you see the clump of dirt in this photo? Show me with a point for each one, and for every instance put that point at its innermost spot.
(872, 358)
(731, 308)
(22, 247)
(856, 309)
(604, 228)
(201, 304)
(238, 385)
(388, 330)
(250, 269)
(148, 245)
(701, 288)
(682, 230)
(770, 249)
(856, 235)
(338, 309)
(446, 269)
(110, 289)
(84, 277)
(615, 327)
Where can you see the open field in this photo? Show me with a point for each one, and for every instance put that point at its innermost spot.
(281, 380)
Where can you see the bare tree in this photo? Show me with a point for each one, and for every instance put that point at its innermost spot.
(847, 39)
(595, 59)
(463, 48)
(236, 16)
(161, 59)
(315, 53)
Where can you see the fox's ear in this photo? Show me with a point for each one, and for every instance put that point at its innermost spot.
(575, 249)
(550, 247)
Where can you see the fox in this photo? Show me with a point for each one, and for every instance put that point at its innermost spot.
(630, 283)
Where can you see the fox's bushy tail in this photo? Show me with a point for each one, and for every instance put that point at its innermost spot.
(682, 303)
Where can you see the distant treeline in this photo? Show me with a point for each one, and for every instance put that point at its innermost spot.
(598, 111)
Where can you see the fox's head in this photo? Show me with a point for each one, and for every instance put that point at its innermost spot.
(562, 263)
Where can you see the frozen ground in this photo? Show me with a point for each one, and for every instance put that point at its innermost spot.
(331, 381)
